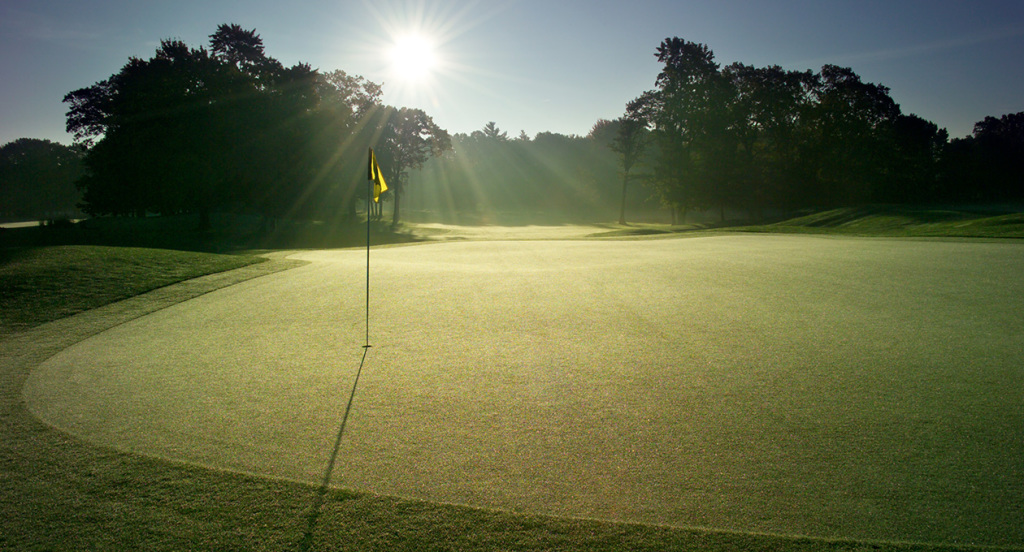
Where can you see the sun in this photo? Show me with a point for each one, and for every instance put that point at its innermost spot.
(412, 57)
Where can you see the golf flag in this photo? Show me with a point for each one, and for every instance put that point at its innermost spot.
(379, 186)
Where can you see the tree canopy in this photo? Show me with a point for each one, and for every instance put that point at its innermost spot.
(749, 138)
(37, 179)
(550, 178)
(229, 127)
(197, 129)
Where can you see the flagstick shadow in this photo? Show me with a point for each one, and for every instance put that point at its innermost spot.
(318, 501)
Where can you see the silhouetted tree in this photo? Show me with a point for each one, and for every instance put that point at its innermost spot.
(751, 137)
(190, 130)
(916, 148)
(37, 179)
(769, 109)
(161, 138)
(603, 132)
(849, 129)
(339, 134)
(242, 49)
(689, 111)
(1000, 150)
(352, 93)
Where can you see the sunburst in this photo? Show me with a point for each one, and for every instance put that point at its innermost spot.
(412, 57)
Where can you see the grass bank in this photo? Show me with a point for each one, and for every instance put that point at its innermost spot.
(228, 233)
(60, 494)
(872, 221)
(43, 284)
(901, 222)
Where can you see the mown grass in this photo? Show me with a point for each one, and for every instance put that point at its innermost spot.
(60, 494)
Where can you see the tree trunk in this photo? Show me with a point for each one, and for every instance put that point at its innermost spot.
(373, 209)
(394, 218)
(622, 208)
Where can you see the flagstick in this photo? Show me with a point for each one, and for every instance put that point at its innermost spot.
(314, 513)
(369, 194)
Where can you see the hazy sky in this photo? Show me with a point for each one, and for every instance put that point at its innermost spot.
(533, 65)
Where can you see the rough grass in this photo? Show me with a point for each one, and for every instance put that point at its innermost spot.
(228, 233)
(43, 284)
(875, 221)
(60, 494)
(901, 222)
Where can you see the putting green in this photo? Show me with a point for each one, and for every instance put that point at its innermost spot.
(835, 387)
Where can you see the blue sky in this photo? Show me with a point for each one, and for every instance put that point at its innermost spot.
(532, 65)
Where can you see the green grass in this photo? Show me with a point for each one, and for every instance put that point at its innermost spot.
(60, 494)
(228, 233)
(900, 222)
(874, 221)
(43, 284)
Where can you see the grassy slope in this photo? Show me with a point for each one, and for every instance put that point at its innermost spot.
(906, 222)
(43, 284)
(228, 233)
(61, 494)
(862, 221)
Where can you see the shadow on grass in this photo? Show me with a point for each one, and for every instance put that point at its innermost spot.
(228, 233)
(904, 221)
(318, 502)
(907, 215)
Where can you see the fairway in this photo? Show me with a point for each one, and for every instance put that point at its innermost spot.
(821, 386)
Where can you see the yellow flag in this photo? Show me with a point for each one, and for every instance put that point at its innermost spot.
(379, 186)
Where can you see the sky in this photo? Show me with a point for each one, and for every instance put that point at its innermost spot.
(530, 65)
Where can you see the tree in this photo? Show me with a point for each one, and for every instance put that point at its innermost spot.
(629, 141)
(492, 131)
(157, 122)
(849, 129)
(341, 127)
(916, 148)
(242, 49)
(1000, 149)
(190, 130)
(37, 179)
(767, 113)
(603, 131)
(353, 93)
(551, 179)
(407, 138)
(689, 111)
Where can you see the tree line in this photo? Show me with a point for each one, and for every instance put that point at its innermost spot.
(738, 138)
(750, 138)
(192, 130)
(492, 178)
